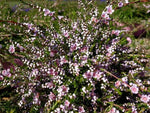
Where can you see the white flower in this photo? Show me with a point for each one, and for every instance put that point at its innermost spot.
(126, 1)
(60, 17)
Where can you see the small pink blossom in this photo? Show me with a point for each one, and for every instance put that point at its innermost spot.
(63, 60)
(52, 53)
(6, 73)
(97, 75)
(65, 89)
(73, 47)
(134, 89)
(93, 19)
(66, 34)
(35, 72)
(67, 103)
(129, 40)
(81, 109)
(145, 98)
(105, 15)
(109, 9)
(113, 110)
(88, 75)
(84, 49)
(46, 12)
(120, 4)
(49, 85)
(52, 71)
(126, 29)
(11, 49)
(1, 77)
(9, 75)
(74, 26)
(62, 90)
(36, 99)
(51, 13)
(108, 54)
(117, 83)
(116, 32)
(52, 96)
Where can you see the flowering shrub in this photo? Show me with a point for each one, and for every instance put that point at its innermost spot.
(81, 65)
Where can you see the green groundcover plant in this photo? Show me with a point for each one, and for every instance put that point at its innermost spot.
(82, 65)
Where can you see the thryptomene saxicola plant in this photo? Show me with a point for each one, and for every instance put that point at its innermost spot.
(68, 65)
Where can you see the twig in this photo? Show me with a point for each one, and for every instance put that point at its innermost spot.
(115, 77)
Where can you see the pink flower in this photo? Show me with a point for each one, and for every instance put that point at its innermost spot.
(67, 103)
(109, 9)
(63, 60)
(51, 13)
(1, 77)
(63, 89)
(116, 32)
(113, 110)
(49, 85)
(88, 75)
(11, 49)
(97, 75)
(9, 75)
(105, 15)
(52, 72)
(66, 34)
(52, 96)
(134, 89)
(35, 72)
(52, 53)
(4, 72)
(46, 12)
(120, 4)
(145, 98)
(127, 29)
(36, 99)
(117, 83)
(129, 40)
(108, 54)
(81, 109)
(93, 19)
(73, 47)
